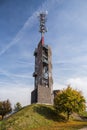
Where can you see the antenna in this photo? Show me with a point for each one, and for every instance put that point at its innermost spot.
(43, 19)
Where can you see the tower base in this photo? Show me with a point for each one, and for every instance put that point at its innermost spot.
(41, 95)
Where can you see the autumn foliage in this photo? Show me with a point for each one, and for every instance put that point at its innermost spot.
(5, 107)
(68, 101)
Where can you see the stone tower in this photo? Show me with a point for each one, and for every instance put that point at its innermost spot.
(43, 81)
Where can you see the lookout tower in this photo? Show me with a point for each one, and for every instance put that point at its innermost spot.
(43, 81)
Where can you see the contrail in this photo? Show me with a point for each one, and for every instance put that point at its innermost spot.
(29, 23)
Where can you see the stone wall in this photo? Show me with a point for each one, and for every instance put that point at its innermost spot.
(43, 92)
(44, 95)
(34, 96)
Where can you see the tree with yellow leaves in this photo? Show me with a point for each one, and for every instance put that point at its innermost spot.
(69, 100)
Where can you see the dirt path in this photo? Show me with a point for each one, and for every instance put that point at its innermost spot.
(85, 128)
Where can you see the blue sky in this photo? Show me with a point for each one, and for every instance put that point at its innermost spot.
(67, 36)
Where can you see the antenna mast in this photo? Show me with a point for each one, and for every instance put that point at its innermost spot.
(43, 29)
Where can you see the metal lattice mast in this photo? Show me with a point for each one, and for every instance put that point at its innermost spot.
(43, 29)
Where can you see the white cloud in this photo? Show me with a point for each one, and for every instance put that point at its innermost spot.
(79, 83)
(58, 86)
(16, 94)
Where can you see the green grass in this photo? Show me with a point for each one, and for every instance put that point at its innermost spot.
(39, 117)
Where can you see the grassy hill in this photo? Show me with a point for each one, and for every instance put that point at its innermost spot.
(39, 117)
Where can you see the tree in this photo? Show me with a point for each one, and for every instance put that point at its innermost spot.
(68, 101)
(17, 107)
(5, 107)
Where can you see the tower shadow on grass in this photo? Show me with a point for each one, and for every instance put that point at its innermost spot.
(49, 113)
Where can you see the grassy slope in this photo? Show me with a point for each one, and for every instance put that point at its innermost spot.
(39, 117)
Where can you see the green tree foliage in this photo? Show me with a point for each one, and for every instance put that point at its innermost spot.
(17, 107)
(5, 107)
(69, 100)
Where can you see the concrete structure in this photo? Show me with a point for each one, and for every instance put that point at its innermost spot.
(43, 91)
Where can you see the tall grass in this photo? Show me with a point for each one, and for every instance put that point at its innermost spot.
(39, 117)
